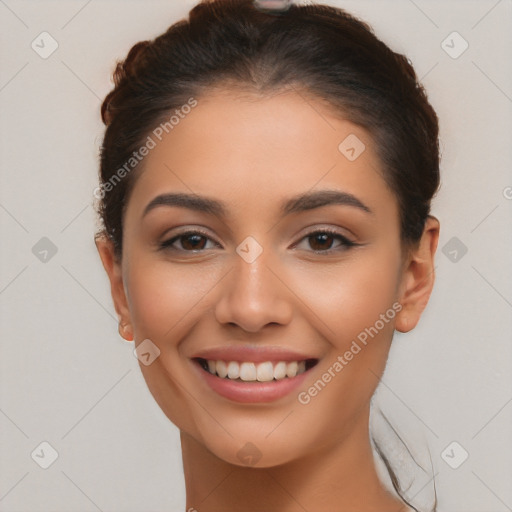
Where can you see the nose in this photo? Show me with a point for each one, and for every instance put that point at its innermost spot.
(254, 295)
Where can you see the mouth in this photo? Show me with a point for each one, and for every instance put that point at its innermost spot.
(253, 381)
(248, 371)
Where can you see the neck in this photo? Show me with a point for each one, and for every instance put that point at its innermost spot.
(341, 478)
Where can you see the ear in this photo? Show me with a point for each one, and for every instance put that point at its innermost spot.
(112, 266)
(418, 278)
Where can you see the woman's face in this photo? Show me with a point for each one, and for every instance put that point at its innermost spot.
(263, 284)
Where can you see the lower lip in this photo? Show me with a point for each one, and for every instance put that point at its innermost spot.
(251, 392)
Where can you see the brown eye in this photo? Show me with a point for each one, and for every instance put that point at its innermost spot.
(322, 241)
(189, 241)
(192, 242)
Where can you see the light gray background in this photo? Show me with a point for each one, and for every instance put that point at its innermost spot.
(69, 379)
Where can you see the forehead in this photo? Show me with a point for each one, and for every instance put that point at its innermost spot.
(249, 149)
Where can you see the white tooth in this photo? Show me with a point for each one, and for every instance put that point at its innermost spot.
(280, 370)
(211, 366)
(301, 368)
(265, 372)
(291, 369)
(248, 371)
(222, 369)
(233, 370)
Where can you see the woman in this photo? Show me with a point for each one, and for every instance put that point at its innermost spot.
(266, 178)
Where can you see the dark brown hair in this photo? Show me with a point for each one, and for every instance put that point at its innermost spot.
(316, 48)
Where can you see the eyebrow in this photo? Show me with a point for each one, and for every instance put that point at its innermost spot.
(300, 203)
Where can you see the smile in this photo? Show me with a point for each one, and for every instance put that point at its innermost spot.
(266, 371)
(252, 376)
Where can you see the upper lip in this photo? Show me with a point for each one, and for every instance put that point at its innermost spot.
(251, 354)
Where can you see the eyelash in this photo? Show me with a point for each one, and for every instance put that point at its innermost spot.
(345, 245)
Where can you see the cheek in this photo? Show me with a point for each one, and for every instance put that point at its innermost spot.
(346, 298)
(166, 300)
(355, 305)
(166, 297)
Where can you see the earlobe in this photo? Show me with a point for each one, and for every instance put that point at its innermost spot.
(125, 331)
(113, 268)
(418, 278)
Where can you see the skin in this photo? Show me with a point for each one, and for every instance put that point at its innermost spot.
(253, 152)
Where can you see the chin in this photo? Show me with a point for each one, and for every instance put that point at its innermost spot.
(257, 453)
